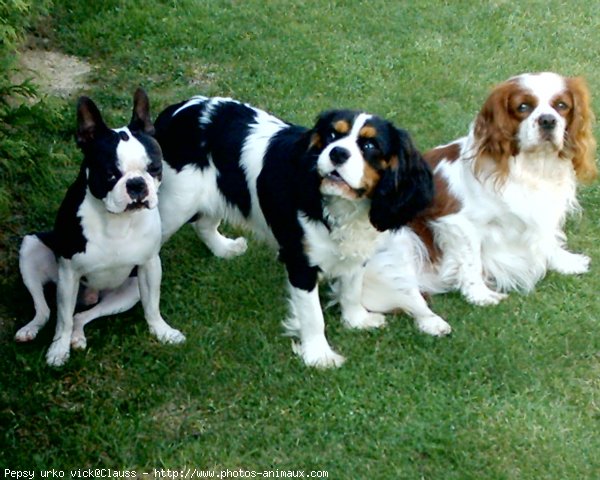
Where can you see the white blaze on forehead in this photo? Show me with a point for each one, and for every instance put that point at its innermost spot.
(348, 141)
(131, 154)
(545, 86)
(359, 123)
(132, 162)
(351, 170)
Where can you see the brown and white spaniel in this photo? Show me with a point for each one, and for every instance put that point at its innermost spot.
(503, 193)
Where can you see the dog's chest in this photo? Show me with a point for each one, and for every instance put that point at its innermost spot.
(115, 243)
(347, 243)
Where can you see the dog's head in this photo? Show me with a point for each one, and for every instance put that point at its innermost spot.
(123, 166)
(363, 156)
(537, 113)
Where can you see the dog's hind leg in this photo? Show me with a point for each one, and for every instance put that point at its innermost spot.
(112, 302)
(38, 266)
(207, 228)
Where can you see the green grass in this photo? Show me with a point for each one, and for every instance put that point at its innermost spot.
(514, 393)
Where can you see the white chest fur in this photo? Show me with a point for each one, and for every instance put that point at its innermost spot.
(115, 242)
(347, 243)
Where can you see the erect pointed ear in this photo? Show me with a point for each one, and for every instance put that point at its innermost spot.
(405, 188)
(89, 121)
(140, 118)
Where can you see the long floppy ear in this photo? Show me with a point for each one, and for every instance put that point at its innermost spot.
(140, 118)
(89, 121)
(495, 131)
(404, 189)
(580, 139)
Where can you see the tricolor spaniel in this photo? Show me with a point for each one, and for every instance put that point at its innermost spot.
(502, 195)
(321, 196)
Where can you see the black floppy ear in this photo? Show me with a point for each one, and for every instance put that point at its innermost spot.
(405, 188)
(140, 118)
(89, 121)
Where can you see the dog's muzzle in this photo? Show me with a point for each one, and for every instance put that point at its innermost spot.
(334, 180)
(137, 189)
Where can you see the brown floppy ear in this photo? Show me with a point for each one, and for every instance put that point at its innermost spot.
(581, 143)
(495, 131)
(140, 118)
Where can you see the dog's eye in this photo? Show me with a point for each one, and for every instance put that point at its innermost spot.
(112, 178)
(331, 136)
(154, 169)
(524, 108)
(561, 106)
(369, 145)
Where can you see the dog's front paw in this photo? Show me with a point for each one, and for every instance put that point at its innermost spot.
(167, 334)
(434, 325)
(364, 320)
(27, 333)
(569, 263)
(482, 296)
(230, 248)
(57, 355)
(317, 354)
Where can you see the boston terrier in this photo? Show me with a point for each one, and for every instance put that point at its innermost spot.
(107, 235)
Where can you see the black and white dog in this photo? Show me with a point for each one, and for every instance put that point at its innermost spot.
(107, 226)
(321, 196)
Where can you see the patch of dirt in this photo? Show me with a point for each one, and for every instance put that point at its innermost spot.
(53, 72)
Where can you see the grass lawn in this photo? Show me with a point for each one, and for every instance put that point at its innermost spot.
(514, 393)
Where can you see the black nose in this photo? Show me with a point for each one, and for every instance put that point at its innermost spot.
(136, 188)
(547, 122)
(339, 155)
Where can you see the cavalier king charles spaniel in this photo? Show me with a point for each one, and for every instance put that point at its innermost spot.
(320, 196)
(503, 193)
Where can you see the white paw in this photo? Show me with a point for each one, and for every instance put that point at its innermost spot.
(483, 296)
(231, 248)
(364, 320)
(434, 325)
(26, 333)
(57, 355)
(78, 340)
(166, 334)
(571, 263)
(318, 354)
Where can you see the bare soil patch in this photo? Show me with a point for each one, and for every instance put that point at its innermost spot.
(53, 72)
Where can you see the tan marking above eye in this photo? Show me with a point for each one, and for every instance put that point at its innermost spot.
(341, 126)
(367, 132)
